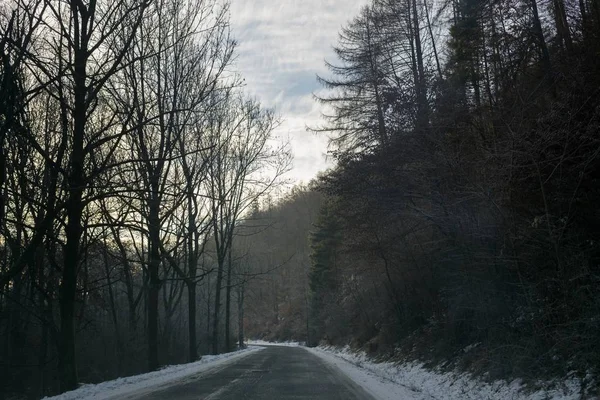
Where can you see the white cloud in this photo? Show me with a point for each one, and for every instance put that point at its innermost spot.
(282, 47)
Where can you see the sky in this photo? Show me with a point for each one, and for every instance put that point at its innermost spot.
(282, 46)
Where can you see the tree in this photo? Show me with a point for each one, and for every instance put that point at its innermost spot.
(358, 99)
(106, 141)
(459, 191)
(323, 279)
(181, 54)
(82, 39)
(380, 90)
(240, 150)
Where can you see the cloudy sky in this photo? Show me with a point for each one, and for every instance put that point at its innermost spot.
(282, 46)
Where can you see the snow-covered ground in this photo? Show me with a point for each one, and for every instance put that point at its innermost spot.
(140, 384)
(411, 381)
(264, 343)
(384, 381)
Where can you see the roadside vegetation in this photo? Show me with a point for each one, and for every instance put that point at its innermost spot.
(459, 225)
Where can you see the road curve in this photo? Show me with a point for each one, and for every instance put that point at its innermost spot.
(278, 373)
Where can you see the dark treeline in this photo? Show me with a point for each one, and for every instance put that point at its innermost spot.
(128, 155)
(273, 250)
(461, 219)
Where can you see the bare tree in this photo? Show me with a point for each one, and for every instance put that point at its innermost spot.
(81, 39)
(177, 62)
(240, 152)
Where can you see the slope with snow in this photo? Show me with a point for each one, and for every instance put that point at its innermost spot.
(412, 381)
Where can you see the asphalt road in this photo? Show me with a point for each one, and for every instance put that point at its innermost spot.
(278, 373)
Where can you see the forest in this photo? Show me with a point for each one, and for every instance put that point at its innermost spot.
(129, 153)
(460, 223)
(142, 222)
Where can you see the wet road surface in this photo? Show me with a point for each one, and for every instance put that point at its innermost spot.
(278, 373)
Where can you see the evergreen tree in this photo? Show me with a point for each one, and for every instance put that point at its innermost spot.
(325, 241)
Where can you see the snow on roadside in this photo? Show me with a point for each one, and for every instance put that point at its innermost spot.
(139, 384)
(373, 381)
(412, 381)
(265, 343)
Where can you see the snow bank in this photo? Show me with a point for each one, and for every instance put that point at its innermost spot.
(387, 381)
(375, 382)
(265, 343)
(140, 384)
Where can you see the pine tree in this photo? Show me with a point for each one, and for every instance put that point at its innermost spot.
(325, 241)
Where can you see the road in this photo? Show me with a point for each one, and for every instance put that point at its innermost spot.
(278, 373)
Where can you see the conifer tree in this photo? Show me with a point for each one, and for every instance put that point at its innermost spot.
(325, 240)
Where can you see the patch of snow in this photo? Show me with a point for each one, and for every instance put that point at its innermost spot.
(140, 384)
(471, 347)
(378, 383)
(265, 343)
(412, 381)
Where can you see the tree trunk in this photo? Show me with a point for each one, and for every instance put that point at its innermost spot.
(228, 304)
(539, 33)
(433, 45)
(192, 267)
(42, 359)
(422, 106)
(15, 334)
(2, 179)
(74, 230)
(154, 281)
(208, 311)
(193, 345)
(44, 312)
(241, 316)
(68, 289)
(562, 25)
(215, 332)
(113, 312)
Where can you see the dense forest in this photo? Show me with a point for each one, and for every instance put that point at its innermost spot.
(460, 224)
(129, 153)
(141, 216)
